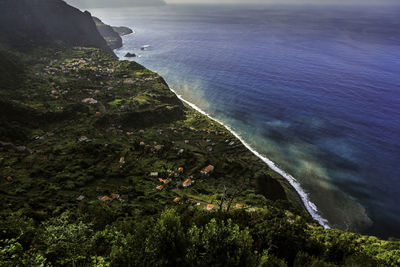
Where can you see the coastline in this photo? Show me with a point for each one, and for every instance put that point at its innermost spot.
(309, 206)
(307, 203)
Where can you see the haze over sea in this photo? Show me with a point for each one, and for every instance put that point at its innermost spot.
(316, 89)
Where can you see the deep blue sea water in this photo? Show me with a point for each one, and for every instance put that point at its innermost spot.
(316, 89)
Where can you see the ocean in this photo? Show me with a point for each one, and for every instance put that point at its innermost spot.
(315, 89)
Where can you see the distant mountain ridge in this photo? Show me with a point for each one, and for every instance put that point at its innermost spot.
(83, 4)
(34, 22)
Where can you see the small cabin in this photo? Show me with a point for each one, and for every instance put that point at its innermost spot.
(115, 196)
(207, 170)
(187, 183)
(210, 207)
(160, 187)
(89, 101)
(106, 199)
(177, 200)
(239, 206)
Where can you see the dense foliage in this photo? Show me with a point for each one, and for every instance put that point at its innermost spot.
(96, 155)
(187, 236)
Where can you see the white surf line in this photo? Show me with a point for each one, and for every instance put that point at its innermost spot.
(310, 206)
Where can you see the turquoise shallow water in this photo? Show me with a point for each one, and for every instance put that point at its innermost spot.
(315, 89)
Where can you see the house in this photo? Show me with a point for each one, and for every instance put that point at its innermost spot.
(83, 139)
(89, 100)
(186, 141)
(177, 200)
(106, 199)
(210, 207)
(9, 178)
(115, 196)
(165, 181)
(180, 169)
(180, 151)
(187, 183)
(142, 143)
(207, 170)
(80, 198)
(122, 160)
(154, 174)
(157, 147)
(238, 206)
(160, 187)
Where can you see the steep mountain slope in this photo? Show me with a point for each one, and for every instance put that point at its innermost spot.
(112, 3)
(102, 165)
(111, 34)
(37, 22)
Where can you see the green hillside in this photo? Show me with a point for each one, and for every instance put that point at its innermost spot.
(102, 165)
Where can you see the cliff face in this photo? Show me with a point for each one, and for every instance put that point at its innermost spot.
(112, 38)
(35, 22)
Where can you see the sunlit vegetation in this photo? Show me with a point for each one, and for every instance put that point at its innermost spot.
(102, 165)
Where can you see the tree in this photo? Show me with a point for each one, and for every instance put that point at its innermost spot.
(165, 246)
(67, 242)
(220, 244)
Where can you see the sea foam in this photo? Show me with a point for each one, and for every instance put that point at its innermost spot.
(309, 205)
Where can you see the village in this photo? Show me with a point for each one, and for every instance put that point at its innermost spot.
(121, 138)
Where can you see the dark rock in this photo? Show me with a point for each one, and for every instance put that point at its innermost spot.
(130, 55)
(122, 30)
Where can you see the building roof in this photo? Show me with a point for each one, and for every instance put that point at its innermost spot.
(177, 200)
(207, 170)
(239, 206)
(210, 206)
(106, 199)
(114, 196)
(160, 187)
(187, 183)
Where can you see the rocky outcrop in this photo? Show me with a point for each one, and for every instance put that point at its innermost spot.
(35, 22)
(112, 38)
(111, 34)
(122, 30)
(130, 55)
